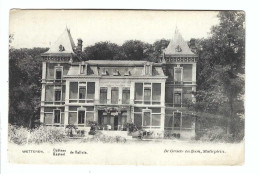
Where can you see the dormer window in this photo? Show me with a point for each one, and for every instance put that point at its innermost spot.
(127, 73)
(116, 73)
(82, 69)
(61, 48)
(104, 72)
(148, 69)
(178, 49)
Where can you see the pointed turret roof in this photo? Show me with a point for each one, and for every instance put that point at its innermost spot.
(64, 46)
(178, 46)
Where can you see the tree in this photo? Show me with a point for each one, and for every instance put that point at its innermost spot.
(136, 50)
(24, 86)
(103, 51)
(221, 67)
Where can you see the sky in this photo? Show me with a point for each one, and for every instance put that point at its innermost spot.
(41, 28)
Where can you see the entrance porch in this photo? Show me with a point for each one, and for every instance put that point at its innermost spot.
(113, 118)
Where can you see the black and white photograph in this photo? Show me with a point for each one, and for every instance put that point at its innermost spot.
(126, 87)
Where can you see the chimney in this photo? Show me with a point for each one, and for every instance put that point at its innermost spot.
(192, 43)
(79, 46)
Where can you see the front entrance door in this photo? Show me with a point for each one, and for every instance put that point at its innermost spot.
(115, 121)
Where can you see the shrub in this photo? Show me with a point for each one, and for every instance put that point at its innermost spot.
(44, 134)
(216, 134)
(131, 127)
(17, 135)
(41, 134)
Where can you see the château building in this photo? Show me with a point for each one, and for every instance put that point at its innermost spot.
(113, 93)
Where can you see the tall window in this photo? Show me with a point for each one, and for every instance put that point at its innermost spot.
(147, 118)
(82, 92)
(73, 90)
(139, 91)
(178, 74)
(91, 90)
(81, 117)
(147, 95)
(114, 95)
(177, 99)
(56, 116)
(103, 95)
(126, 96)
(57, 95)
(156, 93)
(58, 74)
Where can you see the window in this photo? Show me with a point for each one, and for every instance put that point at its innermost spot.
(139, 91)
(63, 92)
(187, 72)
(58, 95)
(103, 95)
(49, 92)
(156, 93)
(56, 116)
(177, 120)
(58, 74)
(147, 95)
(126, 96)
(178, 74)
(91, 90)
(73, 90)
(177, 99)
(82, 92)
(81, 117)
(146, 118)
(114, 95)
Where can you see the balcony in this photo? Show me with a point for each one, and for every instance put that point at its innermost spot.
(177, 106)
(147, 102)
(53, 103)
(181, 82)
(54, 81)
(81, 100)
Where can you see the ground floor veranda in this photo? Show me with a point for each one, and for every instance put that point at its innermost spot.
(162, 121)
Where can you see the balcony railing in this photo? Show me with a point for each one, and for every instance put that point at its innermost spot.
(176, 105)
(53, 81)
(147, 102)
(54, 102)
(81, 100)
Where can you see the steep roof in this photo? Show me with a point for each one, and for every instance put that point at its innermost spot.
(107, 68)
(178, 46)
(64, 46)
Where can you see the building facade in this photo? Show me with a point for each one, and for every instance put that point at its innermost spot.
(113, 93)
